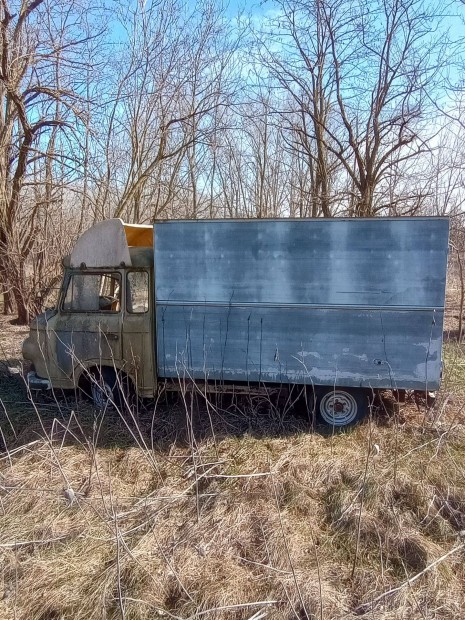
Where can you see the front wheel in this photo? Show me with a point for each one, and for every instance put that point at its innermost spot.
(103, 388)
(339, 407)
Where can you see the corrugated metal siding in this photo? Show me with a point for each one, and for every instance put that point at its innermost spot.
(351, 302)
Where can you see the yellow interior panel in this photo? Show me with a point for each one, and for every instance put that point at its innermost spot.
(139, 235)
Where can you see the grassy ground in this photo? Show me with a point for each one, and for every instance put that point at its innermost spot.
(238, 514)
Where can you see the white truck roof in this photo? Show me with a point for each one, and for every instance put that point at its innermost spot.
(107, 243)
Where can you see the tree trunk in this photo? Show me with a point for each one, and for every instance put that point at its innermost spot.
(7, 303)
(22, 310)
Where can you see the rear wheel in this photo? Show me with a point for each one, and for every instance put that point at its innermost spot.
(339, 407)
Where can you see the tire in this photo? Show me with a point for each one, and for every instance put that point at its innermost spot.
(341, 407)
(104, 390)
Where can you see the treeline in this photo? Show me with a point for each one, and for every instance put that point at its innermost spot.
(172, 109)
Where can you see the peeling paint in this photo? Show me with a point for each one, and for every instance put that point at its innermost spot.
(307, 353)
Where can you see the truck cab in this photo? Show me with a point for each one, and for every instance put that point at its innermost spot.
(103, 321)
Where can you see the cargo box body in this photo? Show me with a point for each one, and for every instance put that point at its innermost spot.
(346, 302)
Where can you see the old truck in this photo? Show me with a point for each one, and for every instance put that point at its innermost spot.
(340, 307)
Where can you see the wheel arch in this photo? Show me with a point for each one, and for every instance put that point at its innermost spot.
(83, 372)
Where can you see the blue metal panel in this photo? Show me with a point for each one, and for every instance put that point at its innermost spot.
(345, 302)
(381, 262)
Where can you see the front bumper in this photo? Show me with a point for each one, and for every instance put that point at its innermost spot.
(35, 382)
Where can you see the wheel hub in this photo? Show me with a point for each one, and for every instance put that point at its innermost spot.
(338, 408)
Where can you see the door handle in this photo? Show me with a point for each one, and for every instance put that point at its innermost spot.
(112, 336)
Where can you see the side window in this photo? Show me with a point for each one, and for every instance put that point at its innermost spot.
(88, 292)
(137, 292)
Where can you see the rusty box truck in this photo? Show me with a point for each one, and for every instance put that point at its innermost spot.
(340, 307)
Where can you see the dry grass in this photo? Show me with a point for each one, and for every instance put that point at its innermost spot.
(244, 516)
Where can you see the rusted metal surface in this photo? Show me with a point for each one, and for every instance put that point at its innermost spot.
(346, 302)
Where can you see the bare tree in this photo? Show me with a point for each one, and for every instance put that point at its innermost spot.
(173, 74)
(40, 103)
(361, 78)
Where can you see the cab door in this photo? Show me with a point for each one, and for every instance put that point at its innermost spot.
(88, 328)
(137, 330)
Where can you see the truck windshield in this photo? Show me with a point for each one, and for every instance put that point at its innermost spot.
(92, 292)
